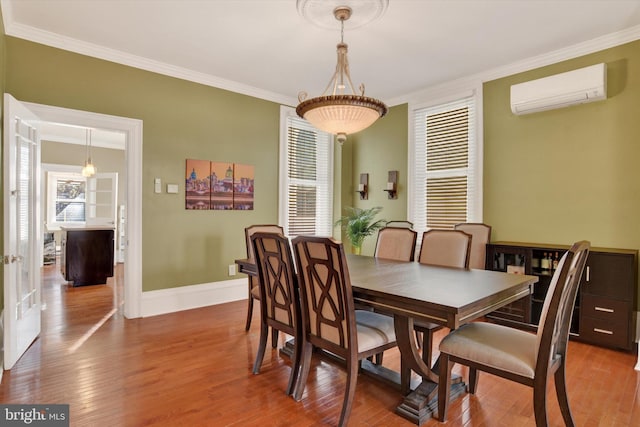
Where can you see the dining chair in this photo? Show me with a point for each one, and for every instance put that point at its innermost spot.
(330, 321)
(279, 297)
(517, 355)
(443, 248)
(396, 243)
(254, 292)
(481, 234)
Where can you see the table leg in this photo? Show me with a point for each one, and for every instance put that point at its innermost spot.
(420, 404)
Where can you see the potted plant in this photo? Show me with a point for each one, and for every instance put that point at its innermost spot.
(359, 223)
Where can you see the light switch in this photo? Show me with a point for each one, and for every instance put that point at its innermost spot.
(157, 185)
(172, 188)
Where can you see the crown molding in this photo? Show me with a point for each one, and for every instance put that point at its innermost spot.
(89, 49)
(73, 45)
(580, 49)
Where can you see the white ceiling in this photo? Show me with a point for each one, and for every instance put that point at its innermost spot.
(265, 48)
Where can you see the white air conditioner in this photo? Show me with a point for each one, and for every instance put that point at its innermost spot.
(561, 90)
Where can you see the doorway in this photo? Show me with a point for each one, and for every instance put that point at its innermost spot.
(132, 129)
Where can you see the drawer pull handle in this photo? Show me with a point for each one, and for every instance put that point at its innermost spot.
(606, 310)
(603, 331)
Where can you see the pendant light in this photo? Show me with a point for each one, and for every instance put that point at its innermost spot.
(335, 111)
(89, 168)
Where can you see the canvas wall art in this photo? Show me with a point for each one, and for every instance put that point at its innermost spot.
(243, 177)
(198, 183)
(218, 185)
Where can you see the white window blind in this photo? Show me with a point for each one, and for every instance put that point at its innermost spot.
(306, 177)
(445, 190)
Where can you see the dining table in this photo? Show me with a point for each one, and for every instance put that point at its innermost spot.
(411, 291)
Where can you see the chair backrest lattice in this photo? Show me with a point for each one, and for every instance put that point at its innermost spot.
(279, 291)
(259, 228)
(327, 302)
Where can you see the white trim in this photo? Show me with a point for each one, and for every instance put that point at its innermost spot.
(171, 300)
(132, 128)
(96, 51)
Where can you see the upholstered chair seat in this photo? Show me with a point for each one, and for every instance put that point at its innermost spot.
(374, 330)
(509, 349)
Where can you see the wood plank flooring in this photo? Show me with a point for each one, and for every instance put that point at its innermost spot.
(193, 368)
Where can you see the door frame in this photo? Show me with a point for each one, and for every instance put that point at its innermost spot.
(132, 128)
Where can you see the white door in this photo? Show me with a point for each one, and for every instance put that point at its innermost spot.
(101, 203)
(101, 199)
(22, 237)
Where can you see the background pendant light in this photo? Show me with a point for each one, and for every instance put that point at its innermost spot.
(335, 111)
(89, 168)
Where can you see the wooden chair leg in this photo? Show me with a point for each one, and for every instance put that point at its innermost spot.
(249, 313)
(349, 393)
(561, 393)
(473, 380)
(274, 338)
(378, 358)
(305, 365)
(444, 385)
(264, 330)
(540, 402)
(295, 365)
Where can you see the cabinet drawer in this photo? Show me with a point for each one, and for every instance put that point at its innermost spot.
(604, 332)
(607, 309)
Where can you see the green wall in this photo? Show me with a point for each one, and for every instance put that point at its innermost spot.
(182, 120)
(567, 174)
(376, 151)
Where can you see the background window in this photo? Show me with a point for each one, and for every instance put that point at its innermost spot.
(306, 177)
(445, 169)
(66, 194)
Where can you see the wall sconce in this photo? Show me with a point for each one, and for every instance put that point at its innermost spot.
(392, 185)
(363, 187)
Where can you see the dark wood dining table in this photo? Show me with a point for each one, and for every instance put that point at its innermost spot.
(409, 291)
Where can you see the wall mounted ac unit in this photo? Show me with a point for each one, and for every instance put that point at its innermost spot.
(561, 90)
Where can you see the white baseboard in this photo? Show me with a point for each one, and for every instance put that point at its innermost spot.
(194, 296)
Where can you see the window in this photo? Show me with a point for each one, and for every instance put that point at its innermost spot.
(446, 172)
(306, 177)
(66, 198)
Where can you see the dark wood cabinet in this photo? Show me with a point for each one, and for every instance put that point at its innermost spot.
(607, 296)
(87, 255)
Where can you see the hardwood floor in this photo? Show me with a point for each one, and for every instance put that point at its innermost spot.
(193, 368)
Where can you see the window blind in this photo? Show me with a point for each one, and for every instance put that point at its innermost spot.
(306, 197)
(444, 159)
